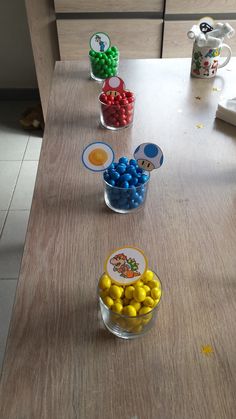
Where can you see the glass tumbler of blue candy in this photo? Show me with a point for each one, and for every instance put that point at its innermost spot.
(125, 186)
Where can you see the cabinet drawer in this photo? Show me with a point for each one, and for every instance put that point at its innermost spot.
(83, 6)
(200, 6)
(176, 43)
(135, 38)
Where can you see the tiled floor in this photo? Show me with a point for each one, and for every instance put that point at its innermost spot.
(19, 155)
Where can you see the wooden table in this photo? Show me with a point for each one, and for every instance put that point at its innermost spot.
(60, 362)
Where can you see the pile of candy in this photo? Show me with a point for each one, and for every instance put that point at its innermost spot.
(137, 300)
(127, 184)
(117, 111)
(104, 64)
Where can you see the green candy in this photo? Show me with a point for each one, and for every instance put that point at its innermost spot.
(104, 64)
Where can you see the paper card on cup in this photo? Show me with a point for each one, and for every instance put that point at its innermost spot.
(149, 156)
(97, 156)
(126, 265)
(113, 86)
(100, 42)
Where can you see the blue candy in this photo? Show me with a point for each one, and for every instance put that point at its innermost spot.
(133, 181)
(139, 199)
(126, 177)
(143, 178)
(134, 204)
(124, 160)
(106, 176)
(115, 175)
(135, 196)
(131, 170)
(111, 182)
(125, 184)
(133, 162)
(123, 201)
(121, 168)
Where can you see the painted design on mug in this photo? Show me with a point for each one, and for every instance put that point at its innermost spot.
(197, 60)
(205, 62)
(213, 52)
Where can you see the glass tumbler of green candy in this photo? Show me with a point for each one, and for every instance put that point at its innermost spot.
(104, 64)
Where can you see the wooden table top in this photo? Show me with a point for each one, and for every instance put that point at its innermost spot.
(60, 362)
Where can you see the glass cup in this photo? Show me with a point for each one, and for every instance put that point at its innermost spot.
(127, 327)
(116, 117)
(103, 66)
(124, 200)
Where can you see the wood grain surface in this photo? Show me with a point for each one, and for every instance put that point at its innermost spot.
(81, 6)
(43, 33)
(135, 38)
(60, 362)
(199, 6)
(176, 44)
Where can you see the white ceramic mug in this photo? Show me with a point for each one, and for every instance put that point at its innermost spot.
(205, 60)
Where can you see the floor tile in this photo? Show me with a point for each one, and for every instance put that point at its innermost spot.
(2, 219)
(9, 171)
(12, 243)
(33, 149)
(13, 142)
(7, 295)
(25, 186)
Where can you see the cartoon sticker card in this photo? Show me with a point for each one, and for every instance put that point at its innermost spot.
(100, 42)
(149, 156)
(97, 156)
(126, 265)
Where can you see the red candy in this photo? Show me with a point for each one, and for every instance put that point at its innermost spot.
(117, 110)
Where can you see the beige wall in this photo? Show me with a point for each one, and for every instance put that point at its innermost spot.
(16, 58)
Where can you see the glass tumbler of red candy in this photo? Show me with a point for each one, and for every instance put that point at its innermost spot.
(117, 110)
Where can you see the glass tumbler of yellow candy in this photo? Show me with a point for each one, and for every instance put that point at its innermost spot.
(129, 311)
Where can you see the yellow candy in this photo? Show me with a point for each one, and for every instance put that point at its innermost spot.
(104, 293)
(121, 322)
(115, 292)
(118, 300)
(129, 311)
(139, 283)
(137, 329)
(147, 289)
(125, 301)
(157, 280)
(148, 302)
(156, 293)
(135, 304)
(147, 319)
(153, 284)
(108, 301)
(129, 292)
(104, 282)
(156, 302)
(148, 276)
(145, 310)
(139, 294)
(117, 308)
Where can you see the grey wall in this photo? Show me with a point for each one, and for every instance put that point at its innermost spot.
(16, 57)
